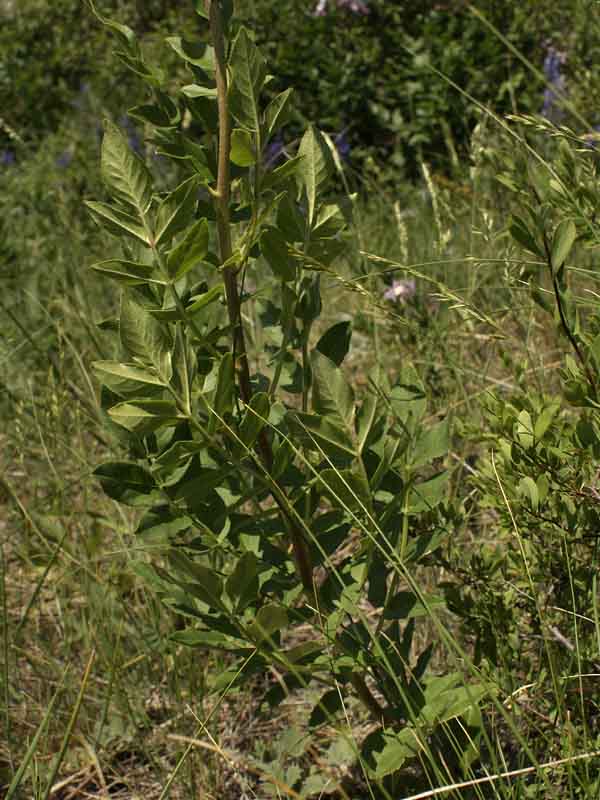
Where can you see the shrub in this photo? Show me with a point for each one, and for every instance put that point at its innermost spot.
(293, 515)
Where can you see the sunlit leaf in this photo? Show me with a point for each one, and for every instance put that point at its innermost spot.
(124, 171)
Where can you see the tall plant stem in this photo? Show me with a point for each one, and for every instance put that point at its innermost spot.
(221, 200)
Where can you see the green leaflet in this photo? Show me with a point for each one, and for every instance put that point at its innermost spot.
(202, 581)
(176, 211)
(197, 53)
(192, 90)
(335, 342)
(331, 392)
(270, 619)
(144, 416)
(243, 151)
(347, 490)
(315, 169)
(242, 585)
(145, 338)
(275, 249)
(126, 379)
(428, 494)
(190, 251)
(277, 113)
(127, 273)
(255, 418)
(118, 222)
(201, 301)
(223, 394)
(323, 434)
(124, 171)
(248, 76)
(126, 482)
(562, 242)
(432, 443)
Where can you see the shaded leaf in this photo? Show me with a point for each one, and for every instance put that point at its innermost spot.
(255, 418)
(276, 253)
(331, 393)
(197, 53)
(126, 482)
(176, 211)
(190, 251)
(270, 619)
(407, 398)
(335, 342)
(428, 494)
(522, 234)
(406, 605)
(282, 173)
(323, 434)
(347, 490)
(242, 585)
(326, 709)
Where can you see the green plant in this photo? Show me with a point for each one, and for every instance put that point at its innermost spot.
(528, 598)
(293, 516)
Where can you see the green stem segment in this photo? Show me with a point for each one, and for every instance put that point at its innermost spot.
(221, 199)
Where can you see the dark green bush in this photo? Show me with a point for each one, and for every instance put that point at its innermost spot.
(371, 76)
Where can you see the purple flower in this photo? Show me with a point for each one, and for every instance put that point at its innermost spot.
(7, 158)
(402, 290)
(273, 153)
(552, 70)
(342, 145)
(135, 143)
(64, 159)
